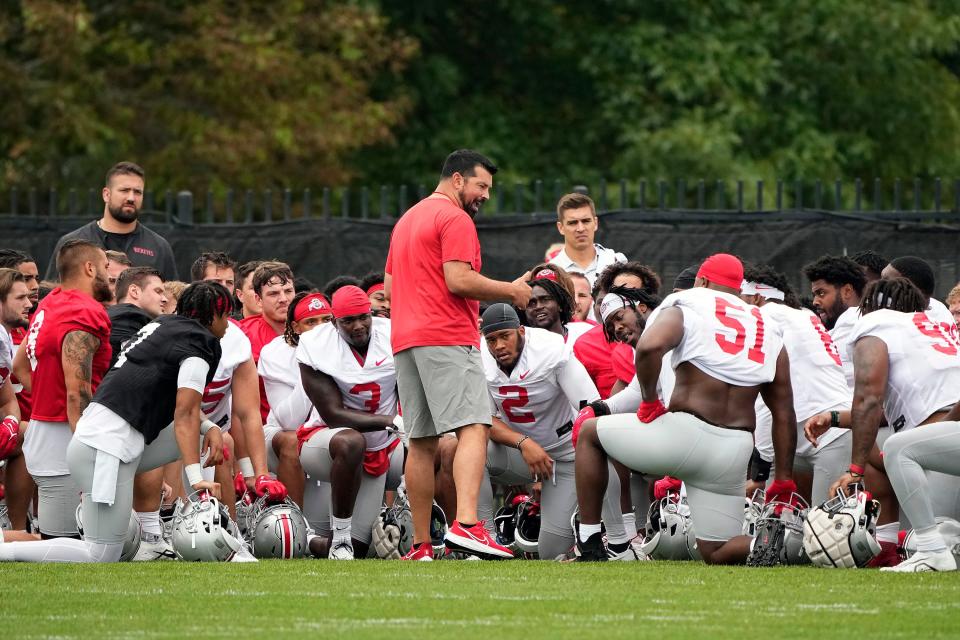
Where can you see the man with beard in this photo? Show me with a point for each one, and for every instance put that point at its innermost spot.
(119, 228)
(837, 283)
(434, 265)
(63, 359)
(372, 283)
(25, 264)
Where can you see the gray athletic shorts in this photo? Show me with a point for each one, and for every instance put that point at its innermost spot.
(711, 461)
(441, 389)
(316, 461)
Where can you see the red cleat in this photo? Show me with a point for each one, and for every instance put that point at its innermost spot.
(476, 541)
(422, 552)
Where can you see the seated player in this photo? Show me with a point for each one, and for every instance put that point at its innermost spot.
(551, 304)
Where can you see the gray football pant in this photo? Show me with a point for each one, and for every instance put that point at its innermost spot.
(317, 463)
(923, 464)
(505, 466)
(827, 464)
(57, 500)
(104, 526)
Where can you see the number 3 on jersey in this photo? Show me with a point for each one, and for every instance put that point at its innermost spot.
(511, 404)
(373, 403)
(754, 353)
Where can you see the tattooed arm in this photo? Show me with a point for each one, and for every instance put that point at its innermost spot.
(77, 359)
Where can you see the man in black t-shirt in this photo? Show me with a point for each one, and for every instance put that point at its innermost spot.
(119, 229)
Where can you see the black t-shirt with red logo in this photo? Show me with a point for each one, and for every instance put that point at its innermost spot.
(144, 247)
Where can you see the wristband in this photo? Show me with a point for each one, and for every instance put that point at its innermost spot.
(834, 419)
(246, 467)
(856, 469)
(194, 473)
(520, 441)
(206, 425)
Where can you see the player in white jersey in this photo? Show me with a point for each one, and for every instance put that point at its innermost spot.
(816, 375)
(552, 305)
(348, 372)
(920, 273)
(280, 373)
(724, 354)
(908, 370)
(837, 283)
(537, 386)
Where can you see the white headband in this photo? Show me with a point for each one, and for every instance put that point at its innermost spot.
(771, 293)
(748, 288)
(610, 304)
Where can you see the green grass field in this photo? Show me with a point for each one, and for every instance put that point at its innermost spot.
(524, 600)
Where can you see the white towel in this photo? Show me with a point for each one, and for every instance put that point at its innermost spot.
(105, 478)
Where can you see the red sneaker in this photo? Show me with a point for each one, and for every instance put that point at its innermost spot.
(476, 541)
(422, 552)
(888, 556)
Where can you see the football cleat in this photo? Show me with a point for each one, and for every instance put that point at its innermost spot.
(341, 551)
(422, 552)
(921, 561)
(154, 547)
(476, 540)
(592, 549)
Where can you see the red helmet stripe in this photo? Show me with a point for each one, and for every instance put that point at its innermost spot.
(286, 537)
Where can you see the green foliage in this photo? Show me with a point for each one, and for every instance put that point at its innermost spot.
(212, 93)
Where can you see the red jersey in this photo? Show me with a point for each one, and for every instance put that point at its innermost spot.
(623, 362)
(260, 333)
(23, 396)
(58, 314)
(423, 311)
(596, 355)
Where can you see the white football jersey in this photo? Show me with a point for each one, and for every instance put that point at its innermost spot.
(279, 369)
(924, 375)
(575, 330)
(816, 373)
(6, 355)
(725, 337)
(235, 347)
(369, 385)
(939, 313)
(542, 395)
(840, 334)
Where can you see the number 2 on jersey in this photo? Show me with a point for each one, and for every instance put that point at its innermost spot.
(510, 404)
(373, 403)
(754, 353)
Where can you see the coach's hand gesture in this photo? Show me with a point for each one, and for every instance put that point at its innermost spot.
(521, 291)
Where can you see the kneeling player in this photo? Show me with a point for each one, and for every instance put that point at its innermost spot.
(724, 354)
(538, 386)
(348, 373)
(145, 413)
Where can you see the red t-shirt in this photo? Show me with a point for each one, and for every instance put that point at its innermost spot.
(423, 311)
(23, 396)
(623, 361)
(260, 333)
(58, 314)
(596, 355)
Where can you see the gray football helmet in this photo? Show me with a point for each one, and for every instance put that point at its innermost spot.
(841, 532)
(526, 534)
(131, 543)
(278, 530)
(392, 535)
(203, 531)
(779, 534)
(669, 532)
(5, 523)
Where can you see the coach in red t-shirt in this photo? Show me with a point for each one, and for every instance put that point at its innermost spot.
(66, 354)
(433, 282)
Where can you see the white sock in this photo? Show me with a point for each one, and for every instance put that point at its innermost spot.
(888, 532)
(587, 530)
(929, 539)
(341, 528)
(150, 522)
(630, 525)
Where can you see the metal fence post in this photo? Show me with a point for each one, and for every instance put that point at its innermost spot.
(185, 207)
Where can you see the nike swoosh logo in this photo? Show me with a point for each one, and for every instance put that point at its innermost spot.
(524, 375)
(377, 364)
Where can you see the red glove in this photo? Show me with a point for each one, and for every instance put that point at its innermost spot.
(3, 492)
(782, 491)
(665, 486)
(239, 486)
(9, 435)
(273, 489)
(650, 411)
(585, 414)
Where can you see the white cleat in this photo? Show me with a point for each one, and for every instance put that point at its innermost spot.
(153, 547)
(627, 555)
(341, 551)
(925, 561)
(637, 545)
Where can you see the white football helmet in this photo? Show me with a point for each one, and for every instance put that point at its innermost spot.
(841, 531)
(392, 535)
(752, 509)
(527, 532)
(277, 530)
(203, 531)
(948, 528)
(246, 515)
(131, 543)
(669, 532)
(779, 534)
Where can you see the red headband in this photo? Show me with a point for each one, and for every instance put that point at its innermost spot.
(723, 269)
(314, 304)
(546, 274)
(350, 301)
(377, 287)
